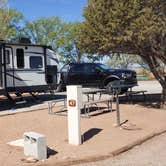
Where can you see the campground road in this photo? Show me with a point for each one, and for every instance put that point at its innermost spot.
(152, 86)
(150, 153)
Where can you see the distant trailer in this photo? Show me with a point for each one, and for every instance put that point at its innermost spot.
(26, 67)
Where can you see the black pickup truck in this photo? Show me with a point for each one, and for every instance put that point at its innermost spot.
(95, 75)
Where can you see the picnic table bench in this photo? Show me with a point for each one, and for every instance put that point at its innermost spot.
(54, 103)
(87, 105)
(131, 93)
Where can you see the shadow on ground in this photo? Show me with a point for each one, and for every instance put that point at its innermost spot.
(51, 152)
(147, 100)
(90, 133)
(6, 104)
(97, 110)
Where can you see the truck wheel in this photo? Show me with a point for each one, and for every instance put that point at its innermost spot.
(109, 88)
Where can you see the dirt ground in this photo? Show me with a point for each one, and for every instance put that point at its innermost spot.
(100, 135)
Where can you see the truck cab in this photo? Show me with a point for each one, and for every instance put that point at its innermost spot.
(95, 75)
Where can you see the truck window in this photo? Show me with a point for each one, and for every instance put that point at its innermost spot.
(89, 68)
(77, 68)
(20, 58)
(36, 62)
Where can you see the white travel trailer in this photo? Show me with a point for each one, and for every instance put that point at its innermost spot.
(26, 67)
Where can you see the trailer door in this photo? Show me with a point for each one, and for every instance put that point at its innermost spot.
(1, 76)
(9, 67)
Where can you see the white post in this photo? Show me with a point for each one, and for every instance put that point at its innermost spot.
(74, 104)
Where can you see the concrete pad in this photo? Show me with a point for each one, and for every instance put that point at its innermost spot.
(18, 142)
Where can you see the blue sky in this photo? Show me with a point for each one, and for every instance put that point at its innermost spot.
(67, 10)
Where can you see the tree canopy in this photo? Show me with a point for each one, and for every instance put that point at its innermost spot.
(70, 51)
(46, 31)
(52, 31)
(125, 61)
(130, 26)
(9, 20)
(137, 26)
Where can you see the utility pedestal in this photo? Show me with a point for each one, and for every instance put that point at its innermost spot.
(74, 104)
(35, 145)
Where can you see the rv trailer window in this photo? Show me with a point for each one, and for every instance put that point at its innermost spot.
(20, 58)
(36, 62)
(7, 55)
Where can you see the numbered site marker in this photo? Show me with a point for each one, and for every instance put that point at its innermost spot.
(74, 104)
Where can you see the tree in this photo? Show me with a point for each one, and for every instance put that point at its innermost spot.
(125, 61)
(70, 51)
(52, 31)
(9, 19)
(46, 31)
(131, 26)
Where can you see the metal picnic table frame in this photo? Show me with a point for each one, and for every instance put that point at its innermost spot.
(90, 93)
(116, 89)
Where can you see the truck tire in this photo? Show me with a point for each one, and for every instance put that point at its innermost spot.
(109, 88)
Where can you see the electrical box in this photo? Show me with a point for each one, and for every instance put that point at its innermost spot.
(35, 145)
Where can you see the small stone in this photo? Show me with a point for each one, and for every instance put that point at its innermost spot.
(29, 160)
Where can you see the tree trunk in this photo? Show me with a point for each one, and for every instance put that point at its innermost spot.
(164, 98)
(156, 69)
(78, 57)
(164, 94)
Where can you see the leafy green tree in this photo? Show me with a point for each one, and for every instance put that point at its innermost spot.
(125, 61)
(46, 31)
(131, 26)
(70, 51)
(52, 31)
(9, 20)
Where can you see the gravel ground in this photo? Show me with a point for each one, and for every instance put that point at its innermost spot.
(101, 136)
(150, 153)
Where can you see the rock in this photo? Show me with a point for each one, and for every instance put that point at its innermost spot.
(29, 160)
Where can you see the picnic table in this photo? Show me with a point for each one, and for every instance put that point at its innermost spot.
(94, 102)
(90, 93)
(86, 105)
